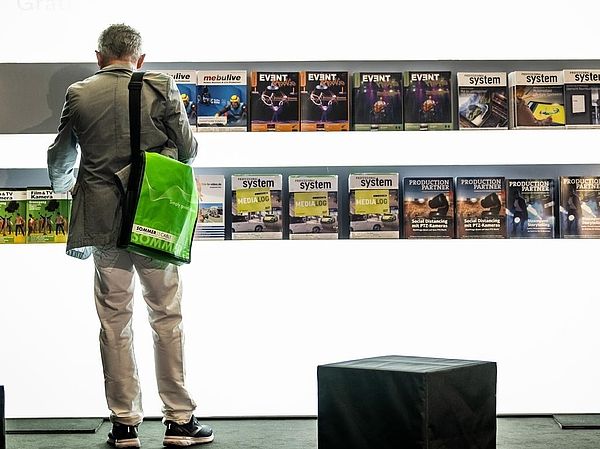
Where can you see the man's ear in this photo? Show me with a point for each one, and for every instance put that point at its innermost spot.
(99, 59)
(140, 62)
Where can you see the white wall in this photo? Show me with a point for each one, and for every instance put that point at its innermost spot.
(241, 30)
(260, 316)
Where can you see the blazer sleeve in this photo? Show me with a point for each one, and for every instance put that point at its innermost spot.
(62, 154)
(178, 127)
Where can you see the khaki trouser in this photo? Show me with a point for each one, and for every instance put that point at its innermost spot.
(161, 289)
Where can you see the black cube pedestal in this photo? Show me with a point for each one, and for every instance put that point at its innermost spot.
(400, 402)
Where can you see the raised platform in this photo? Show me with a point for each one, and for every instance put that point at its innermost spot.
(407, 402)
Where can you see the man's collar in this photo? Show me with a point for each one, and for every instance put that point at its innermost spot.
(117, 67)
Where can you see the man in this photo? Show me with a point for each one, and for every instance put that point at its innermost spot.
(60, 224)
(190, 108)
(235, 110)
(520, 214)
(31, 225)
(428, 109)
(379, 111)
(95, 118)
(19, 225)
(574, 212)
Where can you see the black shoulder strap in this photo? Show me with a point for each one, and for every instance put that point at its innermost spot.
(135, 113)
(130, 199)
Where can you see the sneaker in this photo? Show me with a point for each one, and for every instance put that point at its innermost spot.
(122, 435)
(187, 434)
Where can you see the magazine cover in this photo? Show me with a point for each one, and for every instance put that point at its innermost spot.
(186, 83)
(480, 208)
(580, 206)
(536, 99)
(222, 101)
(482, 100)
(211, 207)
(530, 208)
(374, 208)
(274, 101)
(48, 215)
(313, 207)
(256, 207)
(377, 101)
(582, 98)
(428, 208)
(13, 216)
(324, 101)
(427, 101)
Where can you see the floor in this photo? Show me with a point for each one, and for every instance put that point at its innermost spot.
(513, 433)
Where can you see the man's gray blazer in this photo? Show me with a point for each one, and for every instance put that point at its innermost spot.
(95, 117)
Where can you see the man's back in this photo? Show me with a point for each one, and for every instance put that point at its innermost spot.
(97, 112)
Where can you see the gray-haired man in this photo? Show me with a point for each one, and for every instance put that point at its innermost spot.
(95, 118)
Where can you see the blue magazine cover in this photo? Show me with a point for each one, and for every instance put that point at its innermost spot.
(186, 83)
(222, 101)
(530, 208)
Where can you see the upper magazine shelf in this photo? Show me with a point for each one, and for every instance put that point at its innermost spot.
(393, 148)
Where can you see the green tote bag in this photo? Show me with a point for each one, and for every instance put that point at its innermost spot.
(161, 202)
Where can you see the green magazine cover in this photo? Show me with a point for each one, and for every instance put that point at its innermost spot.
(13, 210)
(48, 215)
(313, 207)
(256, 207)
